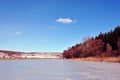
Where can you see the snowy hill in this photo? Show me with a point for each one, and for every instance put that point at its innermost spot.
(14, 54)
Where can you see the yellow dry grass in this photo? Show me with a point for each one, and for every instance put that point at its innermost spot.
(106, 59)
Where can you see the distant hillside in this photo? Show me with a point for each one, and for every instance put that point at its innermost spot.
(14, 54)
(10, 52)
(103, 45)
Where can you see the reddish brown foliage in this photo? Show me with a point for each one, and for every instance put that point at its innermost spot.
(104, 45)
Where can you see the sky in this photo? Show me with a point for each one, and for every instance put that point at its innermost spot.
(54, 25)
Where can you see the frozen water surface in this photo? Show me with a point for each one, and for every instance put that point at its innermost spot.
(49, 69)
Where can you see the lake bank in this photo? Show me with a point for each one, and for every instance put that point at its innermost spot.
(95, 59)
(100, 59)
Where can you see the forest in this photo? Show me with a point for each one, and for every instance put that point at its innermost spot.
(103, 45)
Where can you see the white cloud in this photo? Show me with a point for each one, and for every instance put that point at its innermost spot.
(18, 33)
(66, 20)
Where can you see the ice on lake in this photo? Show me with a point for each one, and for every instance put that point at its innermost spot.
(52, 69)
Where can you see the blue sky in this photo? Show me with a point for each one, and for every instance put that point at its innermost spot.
(54, 25)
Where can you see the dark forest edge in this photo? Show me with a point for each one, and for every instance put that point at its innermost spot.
(104, 47)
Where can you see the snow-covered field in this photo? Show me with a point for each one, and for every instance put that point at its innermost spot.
(32, 55)
(52, 69)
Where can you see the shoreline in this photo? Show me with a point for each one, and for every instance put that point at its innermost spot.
(31, 59)
(95, 59)
(99, 59)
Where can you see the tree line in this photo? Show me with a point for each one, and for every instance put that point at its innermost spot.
(104, 45)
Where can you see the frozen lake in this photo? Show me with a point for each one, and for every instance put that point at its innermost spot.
(48, 69)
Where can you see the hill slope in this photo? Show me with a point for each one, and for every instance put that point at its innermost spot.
(103, 45)
(23, 55)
